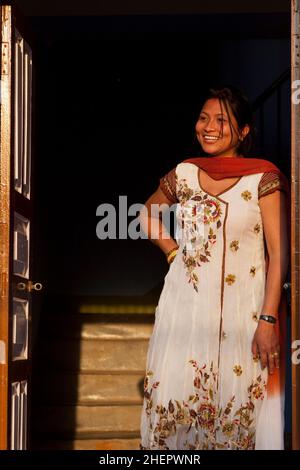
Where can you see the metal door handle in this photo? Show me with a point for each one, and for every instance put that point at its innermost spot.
(29, 286)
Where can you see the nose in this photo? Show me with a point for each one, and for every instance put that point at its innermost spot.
(209, 126)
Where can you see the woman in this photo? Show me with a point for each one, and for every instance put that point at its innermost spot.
(213, 374)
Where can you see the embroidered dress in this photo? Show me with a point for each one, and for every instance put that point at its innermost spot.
(202, 388)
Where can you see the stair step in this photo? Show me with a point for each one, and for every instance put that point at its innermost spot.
(87, 389)
(88, 381)
(118, 308)
(88, 421)
(107, 356)
(140, 305)
(89, 444)
(99, 326)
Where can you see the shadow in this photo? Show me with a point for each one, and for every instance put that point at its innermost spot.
(66, 372)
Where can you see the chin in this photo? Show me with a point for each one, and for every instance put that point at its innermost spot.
(210, 151)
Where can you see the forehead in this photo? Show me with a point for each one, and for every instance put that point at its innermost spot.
(212, 106)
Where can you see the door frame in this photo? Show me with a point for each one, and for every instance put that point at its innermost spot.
(295, 221)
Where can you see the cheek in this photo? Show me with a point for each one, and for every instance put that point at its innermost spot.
(227, 133)
(199, 125)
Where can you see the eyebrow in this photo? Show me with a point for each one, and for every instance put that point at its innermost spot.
(218, 114)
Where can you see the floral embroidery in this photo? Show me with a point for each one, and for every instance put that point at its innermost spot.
(246, 195)
(234, 245)
(191, 264)
(238, 370)
(257, 389)
(206, 415)
(230, 279)
(212, 211)
(184, 193)
(257, 228)
(228, 428)
(146, 394)
(198, 219)
(255, 316)
(216, 427)
(253, 271)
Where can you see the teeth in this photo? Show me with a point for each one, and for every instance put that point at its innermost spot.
(210, 137)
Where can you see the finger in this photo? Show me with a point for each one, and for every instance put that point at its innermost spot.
(277, 359)
(255, 353)
(263, 360)
(254, 349)
(271, 363)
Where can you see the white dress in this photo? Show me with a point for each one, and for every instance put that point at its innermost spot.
(202, 388)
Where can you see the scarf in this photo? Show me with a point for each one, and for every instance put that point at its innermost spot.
(230, 167)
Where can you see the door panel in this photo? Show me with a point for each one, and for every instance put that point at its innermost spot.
(22, 112)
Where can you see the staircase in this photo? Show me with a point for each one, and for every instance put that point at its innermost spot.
(88, 380)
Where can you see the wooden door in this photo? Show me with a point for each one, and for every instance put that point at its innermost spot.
(295, 210)
(17, 289)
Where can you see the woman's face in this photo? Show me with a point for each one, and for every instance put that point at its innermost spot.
(213, 130)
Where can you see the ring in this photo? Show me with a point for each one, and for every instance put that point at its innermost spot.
(272, 355)
(276, 354)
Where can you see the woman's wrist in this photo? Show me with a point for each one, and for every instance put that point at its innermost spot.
(170, 255)
(266, 318)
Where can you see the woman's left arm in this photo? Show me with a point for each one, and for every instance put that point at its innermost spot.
(274, 218)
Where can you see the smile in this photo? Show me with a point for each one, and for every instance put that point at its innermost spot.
(210, 138)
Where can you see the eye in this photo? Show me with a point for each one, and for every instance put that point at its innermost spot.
(202, 118)
(222, 119)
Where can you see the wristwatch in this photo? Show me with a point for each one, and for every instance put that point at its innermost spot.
(268, 318)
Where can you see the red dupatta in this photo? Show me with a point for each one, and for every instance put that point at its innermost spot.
(229, 167)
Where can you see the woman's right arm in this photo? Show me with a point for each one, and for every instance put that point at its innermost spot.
(151, 223)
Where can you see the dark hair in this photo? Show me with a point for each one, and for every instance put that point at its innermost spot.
(241, 110)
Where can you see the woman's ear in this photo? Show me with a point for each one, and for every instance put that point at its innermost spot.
(245, 131)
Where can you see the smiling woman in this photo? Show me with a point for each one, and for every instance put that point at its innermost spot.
(212, 375)
(225, 126)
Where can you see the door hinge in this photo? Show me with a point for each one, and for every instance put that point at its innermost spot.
(296, 50)
(2, 352)
(3, 284)
(295, 34)
(4, 58)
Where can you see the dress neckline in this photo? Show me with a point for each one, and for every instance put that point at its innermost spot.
(219, 193)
